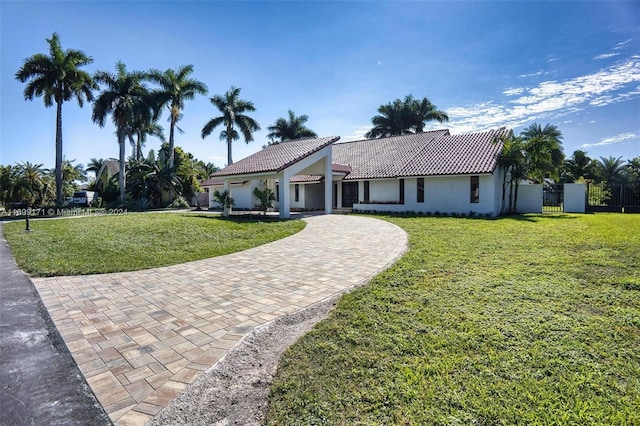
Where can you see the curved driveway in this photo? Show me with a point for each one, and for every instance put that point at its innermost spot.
(141, 337)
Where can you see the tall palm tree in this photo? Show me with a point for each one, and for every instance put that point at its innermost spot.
(128, 100)
(232, 109)
(544, 150)
(175, 88)
(288, 129)
(611, 169)
(57, 77)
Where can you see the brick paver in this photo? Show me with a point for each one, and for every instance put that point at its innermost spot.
(140, 338)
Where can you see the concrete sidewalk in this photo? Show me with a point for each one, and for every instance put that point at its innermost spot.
(40, 384)
(140, 338)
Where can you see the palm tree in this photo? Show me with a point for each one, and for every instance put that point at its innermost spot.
(611, 169)
(141, 130)
(422, 111)
(544, 150)
(513, 162)
(8, 182)
(70, 174)
(232, 109)
(95, 164)
(57, 78)
(402, 117)
(392, 120)
(128, 101)
(176, 88)
(293, 128)
(33, 185)
(579, 165)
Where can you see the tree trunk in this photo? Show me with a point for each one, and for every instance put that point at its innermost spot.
(121, 177)
(229, 140)
(515, 199)
(59, 196)
(510, 209)
(171, 142)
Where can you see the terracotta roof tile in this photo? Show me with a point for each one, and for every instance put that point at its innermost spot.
(276, 158)
(384, 157)
(423, 154)
(212, 182)
(470, 153)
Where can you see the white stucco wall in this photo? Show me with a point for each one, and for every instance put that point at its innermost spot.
(381, 190)
(444, 194)
(529, 198)
(574, 197)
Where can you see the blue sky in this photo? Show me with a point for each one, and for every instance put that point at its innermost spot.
(487, 64)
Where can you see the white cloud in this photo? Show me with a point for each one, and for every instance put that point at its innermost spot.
(357, 134)
(535, 74)
(611, 140)
(552, 99)
(513, 91)
(622, 44)
(606, 55)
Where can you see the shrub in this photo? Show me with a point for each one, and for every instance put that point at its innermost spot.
(179, 203)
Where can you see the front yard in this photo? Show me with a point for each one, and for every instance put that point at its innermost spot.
(134, 241)
(524, 320)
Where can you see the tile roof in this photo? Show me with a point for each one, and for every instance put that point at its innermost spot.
(384, 157)
(469, 153)
(212, 182)
(276, 158)
(424, 154)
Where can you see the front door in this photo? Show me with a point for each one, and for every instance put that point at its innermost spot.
(349, 194)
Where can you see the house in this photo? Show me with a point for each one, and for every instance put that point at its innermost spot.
(426, 172)
(109, 169)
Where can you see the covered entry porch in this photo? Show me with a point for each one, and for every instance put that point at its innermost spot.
(281, 163)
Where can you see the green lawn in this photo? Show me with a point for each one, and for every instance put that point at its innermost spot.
(525, 320)
(133, 241)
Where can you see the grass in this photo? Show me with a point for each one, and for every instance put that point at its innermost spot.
(525, 320)
(101, 244)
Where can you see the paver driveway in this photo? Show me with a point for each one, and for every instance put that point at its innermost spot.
(141, 337)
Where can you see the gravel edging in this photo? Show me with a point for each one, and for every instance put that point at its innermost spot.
(234, 390)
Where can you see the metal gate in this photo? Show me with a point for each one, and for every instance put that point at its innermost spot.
(617, 197)
(553, 198)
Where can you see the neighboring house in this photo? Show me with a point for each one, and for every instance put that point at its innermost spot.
(109, 169)
(427, 172)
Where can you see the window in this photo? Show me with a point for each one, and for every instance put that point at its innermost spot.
(401, 191)
(475, 189)
(420, 190)
(277, 192)
(296, 190)
(366, 191)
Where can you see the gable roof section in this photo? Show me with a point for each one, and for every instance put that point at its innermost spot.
(433, 153)
(384, 157)
(470, 153)
(276, 158)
